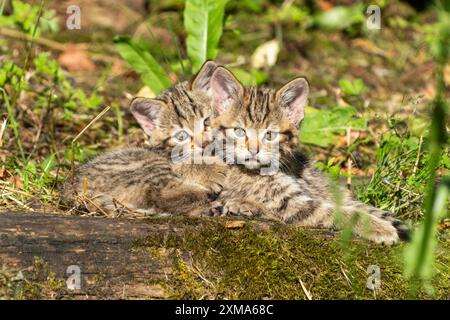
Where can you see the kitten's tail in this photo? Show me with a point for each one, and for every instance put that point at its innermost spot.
(372, 223)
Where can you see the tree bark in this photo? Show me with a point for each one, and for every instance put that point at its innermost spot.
(102, 248)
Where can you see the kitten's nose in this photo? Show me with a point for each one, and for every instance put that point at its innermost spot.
(253, 153)
(205, 143)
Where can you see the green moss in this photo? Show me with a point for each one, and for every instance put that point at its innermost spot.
(36, 282)
(210, 261)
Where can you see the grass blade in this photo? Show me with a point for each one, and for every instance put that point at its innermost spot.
(419, 256)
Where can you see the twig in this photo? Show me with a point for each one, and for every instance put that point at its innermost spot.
(72, 162)
(15, 190)
(92, 202)
(18, 202)
(345, 276)
(11, 33)
(307, 293)
(15, 34)
(2, 131)
(201, 276)
(91, 123)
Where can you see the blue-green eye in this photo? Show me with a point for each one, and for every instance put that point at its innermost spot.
(182, 135)
(271, 135)
(239, 132)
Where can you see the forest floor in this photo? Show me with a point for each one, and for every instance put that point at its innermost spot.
(56, 84)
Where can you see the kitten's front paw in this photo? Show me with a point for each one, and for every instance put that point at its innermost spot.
(215, 210)
(240, 208)
(383, 232)
(215, 177)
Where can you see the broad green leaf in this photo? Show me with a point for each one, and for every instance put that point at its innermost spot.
(320, 127)
(203, 21)
(152, 74)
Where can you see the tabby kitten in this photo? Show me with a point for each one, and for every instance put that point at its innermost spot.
(146, 179)
(264, 125)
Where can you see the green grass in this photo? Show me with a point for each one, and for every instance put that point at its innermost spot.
(399, 181)
(420, 254)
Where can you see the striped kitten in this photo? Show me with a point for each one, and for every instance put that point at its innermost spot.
(264, 124)
(146, 179)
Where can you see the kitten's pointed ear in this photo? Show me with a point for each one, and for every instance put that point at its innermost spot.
(225, 89)
(147, 113)
(202, 79)
(292, 99)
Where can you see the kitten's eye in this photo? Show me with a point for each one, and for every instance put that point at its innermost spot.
(182, 135)
(271, 135)
(239, 132)
(207, 122)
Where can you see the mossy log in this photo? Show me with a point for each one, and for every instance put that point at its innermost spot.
(100, 247)
(198, 258)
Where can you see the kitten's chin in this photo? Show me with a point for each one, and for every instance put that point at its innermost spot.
(252, 165)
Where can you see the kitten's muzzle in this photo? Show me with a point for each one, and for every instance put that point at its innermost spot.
(252, 164)
(252, 161)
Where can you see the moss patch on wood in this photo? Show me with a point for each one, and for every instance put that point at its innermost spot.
(199, 258)
(283, 262)
(35, 282)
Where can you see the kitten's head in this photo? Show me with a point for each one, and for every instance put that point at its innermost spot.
(263, 123)
(181, 115)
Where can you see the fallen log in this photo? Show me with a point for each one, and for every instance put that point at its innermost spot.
(42, 255)
(99, 248)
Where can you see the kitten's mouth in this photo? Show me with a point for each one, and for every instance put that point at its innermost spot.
(257, 163)
(252, 163)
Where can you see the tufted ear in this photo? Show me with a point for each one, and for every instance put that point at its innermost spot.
(147, 113)
(226, 90)
(202, 79)
(292, 99)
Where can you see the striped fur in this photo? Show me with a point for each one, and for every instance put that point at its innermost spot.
(145, 179)
(298, 193)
